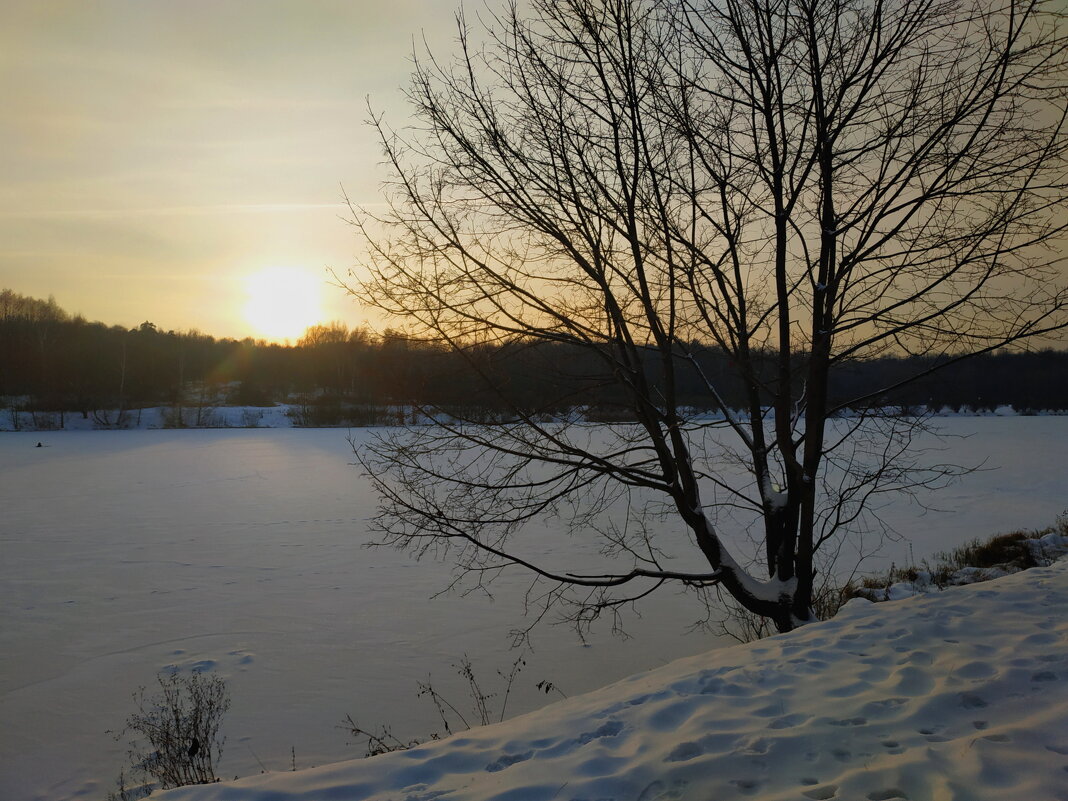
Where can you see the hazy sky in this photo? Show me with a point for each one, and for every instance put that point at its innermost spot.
(154, 154)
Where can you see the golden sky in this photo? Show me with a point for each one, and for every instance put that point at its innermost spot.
(171, 160)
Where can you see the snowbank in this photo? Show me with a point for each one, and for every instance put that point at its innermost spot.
(1043, 550)
(957, 695)
(287, 415)
(280, 416)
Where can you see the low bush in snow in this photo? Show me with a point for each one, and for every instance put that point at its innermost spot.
(978, 560)
(174, 733)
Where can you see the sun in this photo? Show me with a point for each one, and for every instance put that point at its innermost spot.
(283, 302)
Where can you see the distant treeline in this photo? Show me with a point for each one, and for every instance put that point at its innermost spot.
(52, 361)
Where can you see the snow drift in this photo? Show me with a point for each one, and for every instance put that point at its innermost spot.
(956, 695)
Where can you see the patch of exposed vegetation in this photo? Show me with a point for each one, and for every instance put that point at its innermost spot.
(972, 562)
(486, 707)
(978, 560)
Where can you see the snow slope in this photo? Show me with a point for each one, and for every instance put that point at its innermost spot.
(956, 695)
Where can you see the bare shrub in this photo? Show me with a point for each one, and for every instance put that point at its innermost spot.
(485, 710)
(174, 733)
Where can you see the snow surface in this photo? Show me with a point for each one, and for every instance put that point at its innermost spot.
(124, 553)
(959, 695)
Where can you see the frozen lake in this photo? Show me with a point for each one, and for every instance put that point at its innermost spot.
(124, 553)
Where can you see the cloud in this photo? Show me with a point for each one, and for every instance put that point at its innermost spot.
(167, 211)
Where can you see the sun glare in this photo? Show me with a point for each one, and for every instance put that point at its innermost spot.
(283, 302)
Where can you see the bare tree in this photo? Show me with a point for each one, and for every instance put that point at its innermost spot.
(798, 183)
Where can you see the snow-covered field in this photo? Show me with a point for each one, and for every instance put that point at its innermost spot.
(123, 553)
(961, 695)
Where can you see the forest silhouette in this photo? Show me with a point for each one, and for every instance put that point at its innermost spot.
(54, 361)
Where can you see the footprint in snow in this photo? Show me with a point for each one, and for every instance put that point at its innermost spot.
(746, 786)
(975, 670)
(885, 705)
(507, 761)
(875, 673)
(789, 721)
(912, 681)
(920, 658)
(821, 793)
(609, 729)
(683, 752)
(1041, 639)
(657, 791)
(933, 734)
(753, 746)
(669, 717)
(849, 690)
